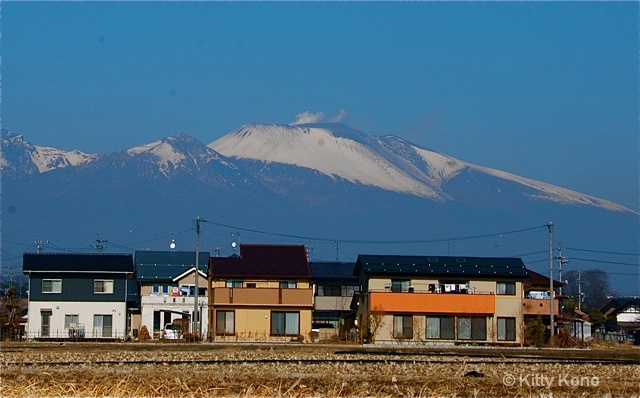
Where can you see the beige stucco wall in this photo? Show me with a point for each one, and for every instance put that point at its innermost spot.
(252, 323)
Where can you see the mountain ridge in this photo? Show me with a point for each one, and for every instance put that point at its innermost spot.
(332, 149)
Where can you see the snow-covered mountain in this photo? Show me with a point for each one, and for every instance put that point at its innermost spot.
(22, 157)
(388, 162)
(315, 180)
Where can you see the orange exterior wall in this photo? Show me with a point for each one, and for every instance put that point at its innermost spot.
(433, 303)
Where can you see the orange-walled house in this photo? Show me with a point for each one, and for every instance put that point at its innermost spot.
(440, 300)
(537, 301)
(264, 294)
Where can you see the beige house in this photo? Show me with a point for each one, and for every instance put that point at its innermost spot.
(440, 300)
(264, 294)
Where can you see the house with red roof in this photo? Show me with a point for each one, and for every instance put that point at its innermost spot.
(262, 294)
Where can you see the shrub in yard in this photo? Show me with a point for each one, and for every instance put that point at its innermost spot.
(535, 331)
(143, 334)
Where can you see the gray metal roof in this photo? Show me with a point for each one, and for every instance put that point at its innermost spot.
(166, 265)
(327, 270)
(441, 266)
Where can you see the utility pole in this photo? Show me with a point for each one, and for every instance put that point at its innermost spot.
(197, 276)
(39, 245)
(99, 243)
(551, 309)
(579, 289)
(561, 261)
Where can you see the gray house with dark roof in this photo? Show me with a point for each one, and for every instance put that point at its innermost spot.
(334, 287)
(78, 295)
(166, 286)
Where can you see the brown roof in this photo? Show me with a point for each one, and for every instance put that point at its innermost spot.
(536, 279)
(263, 261)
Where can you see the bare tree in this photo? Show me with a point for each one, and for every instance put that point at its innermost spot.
(595, 287)
(376, 318)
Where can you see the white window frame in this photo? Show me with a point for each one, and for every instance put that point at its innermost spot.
(55, 286)
(502, 288)
(107, 286)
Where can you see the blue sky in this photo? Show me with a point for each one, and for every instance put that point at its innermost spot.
(544, 90)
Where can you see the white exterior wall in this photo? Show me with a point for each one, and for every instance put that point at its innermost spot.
(163, 302)
(85, 312)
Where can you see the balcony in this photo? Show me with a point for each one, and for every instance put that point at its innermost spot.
(532, 306)
(262, 297)
(434, 303)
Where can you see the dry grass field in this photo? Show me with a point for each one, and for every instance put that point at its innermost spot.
(210, 370)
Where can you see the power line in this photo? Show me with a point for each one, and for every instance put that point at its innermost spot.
(602, 251)
(356, 241)
(605, 262)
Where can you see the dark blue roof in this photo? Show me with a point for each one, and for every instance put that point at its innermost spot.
(164, 265)
(325, 271)
(440, 266)
(95, 262)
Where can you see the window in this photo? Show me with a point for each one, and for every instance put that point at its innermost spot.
(234, 283)
(156, 288)
(102, 325)
(52, 286)
(285, 323)
(70, 320)
(472, 328)
(288, 284)
(400, 285)
(190, 290)
(337, 290)
(349, 291)
(507, 329)
(440, 327)
(165, 289)
(506, 288)
(225, 323)
(102, 286)
(329, 290)
(251, 285)
(402, 327)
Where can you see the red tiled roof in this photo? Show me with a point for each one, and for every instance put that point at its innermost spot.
(536, 279)
(263, 261)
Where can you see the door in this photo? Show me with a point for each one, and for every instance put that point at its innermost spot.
(102, 325)
(45, 316)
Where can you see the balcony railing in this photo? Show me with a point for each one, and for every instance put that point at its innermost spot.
(532, 306)
(263, 296)
(444, 303)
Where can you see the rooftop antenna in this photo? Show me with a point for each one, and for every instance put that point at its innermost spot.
(172, 245)
(99, 243)
(337, 251)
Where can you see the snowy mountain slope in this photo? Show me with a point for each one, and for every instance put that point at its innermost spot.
(19, 155)
(388, 162)
(319, 149)
(181, 153)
